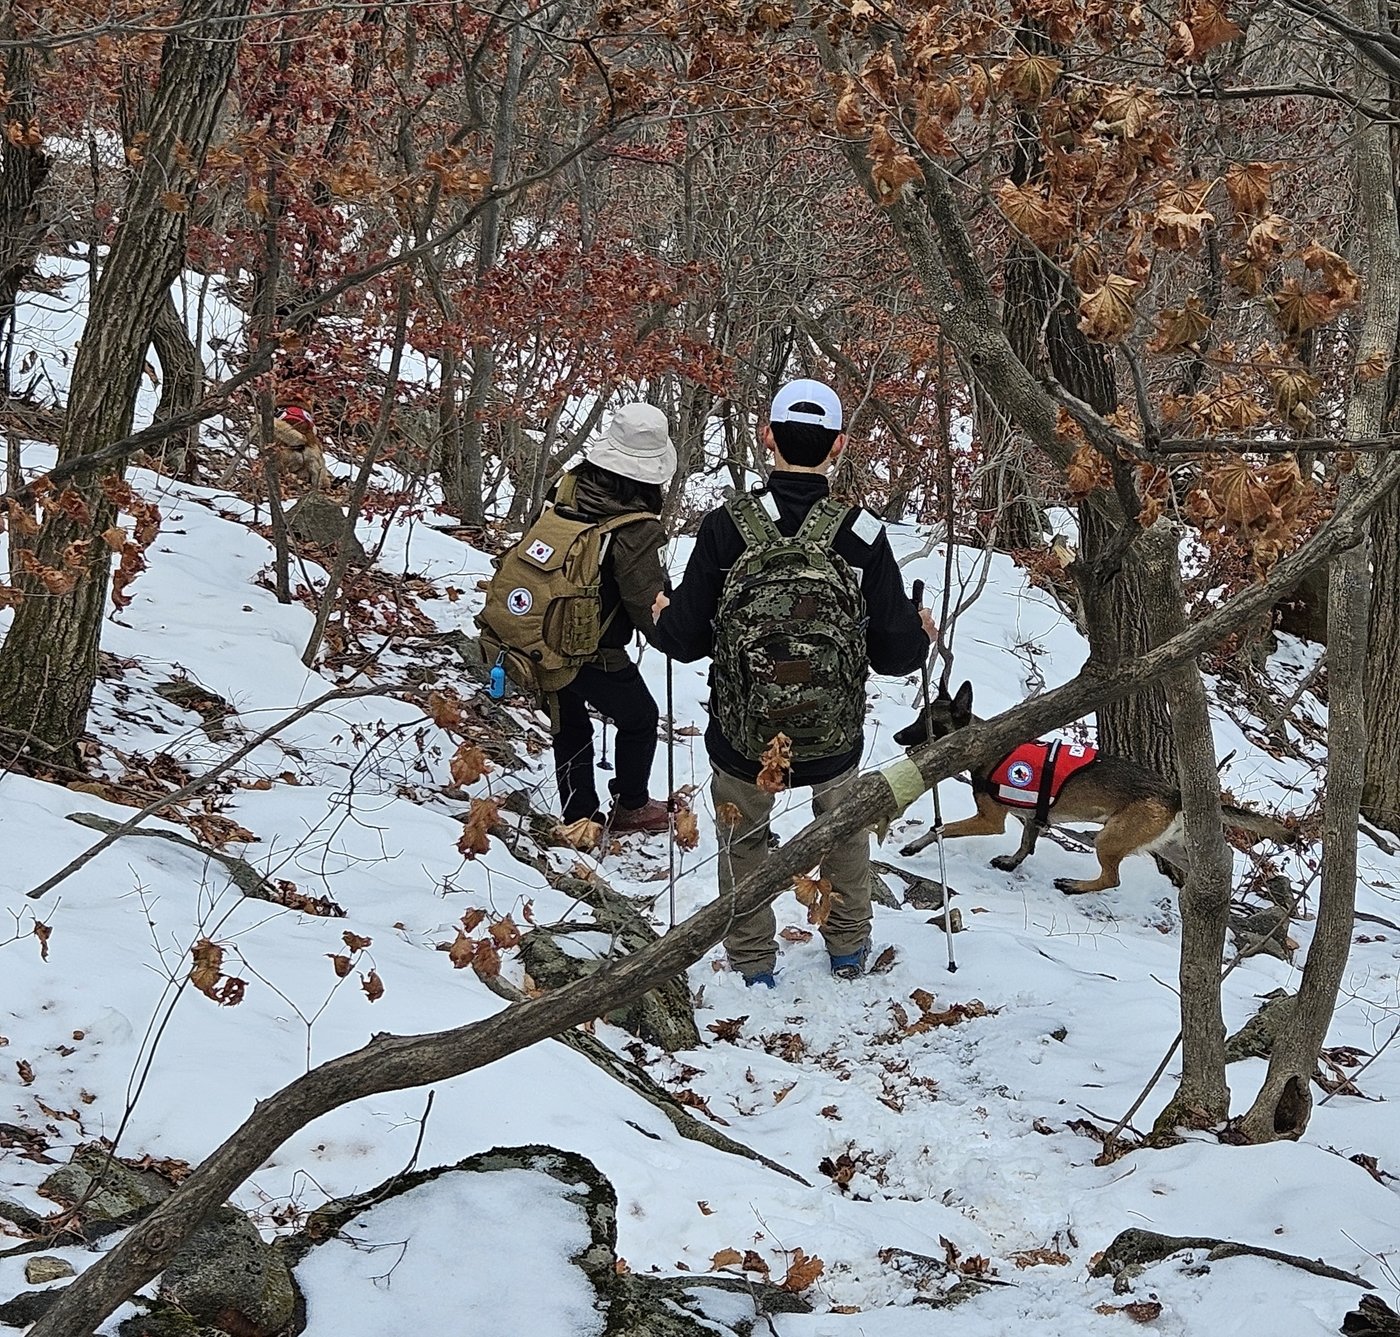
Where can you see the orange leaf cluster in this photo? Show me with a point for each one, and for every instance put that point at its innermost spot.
(207, 975)
(481, 818)
(777, 762)
(469, 763)
(1263, 507)
(930, 1017)
(146, 517)
(816, 895)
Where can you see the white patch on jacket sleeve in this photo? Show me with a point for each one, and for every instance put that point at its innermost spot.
(867, 528)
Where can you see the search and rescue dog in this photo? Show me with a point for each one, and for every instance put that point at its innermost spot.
(1053, 784)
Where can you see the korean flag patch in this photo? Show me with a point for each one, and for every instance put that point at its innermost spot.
(539, 551)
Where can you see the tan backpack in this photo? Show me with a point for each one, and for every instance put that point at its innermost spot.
(543, 617)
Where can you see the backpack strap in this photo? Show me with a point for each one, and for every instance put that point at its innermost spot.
(822, 522)
(565, 489)
(1046, 797)
(752, 521)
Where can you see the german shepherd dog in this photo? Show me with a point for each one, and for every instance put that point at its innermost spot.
(1140, 812)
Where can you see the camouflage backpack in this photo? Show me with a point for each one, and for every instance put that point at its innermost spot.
(543, 617)
(789, 653)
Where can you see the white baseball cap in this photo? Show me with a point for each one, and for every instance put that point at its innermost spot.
(807, 401)
(636, 444)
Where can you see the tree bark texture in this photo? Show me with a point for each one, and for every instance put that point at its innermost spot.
(24, 169)
(391, 1063)
(1203, 1094)
(1380, 796)
(182, 386)
(1284, 1104)
(48, 663)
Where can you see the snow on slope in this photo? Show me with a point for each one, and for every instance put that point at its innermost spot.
(955, 1133)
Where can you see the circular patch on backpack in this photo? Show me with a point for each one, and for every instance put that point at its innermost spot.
(519, 601)
(1020, 774)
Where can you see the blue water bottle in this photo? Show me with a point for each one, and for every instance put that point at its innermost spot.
(498, 678)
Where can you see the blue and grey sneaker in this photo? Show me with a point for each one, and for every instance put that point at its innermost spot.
(851, 965)
(761, 978)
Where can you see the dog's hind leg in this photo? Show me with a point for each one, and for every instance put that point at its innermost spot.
(989, 821)
(1030, 833)
(1126, 832)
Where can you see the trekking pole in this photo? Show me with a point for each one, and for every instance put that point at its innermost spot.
(937, 811)
(605, 764)
(671, 789)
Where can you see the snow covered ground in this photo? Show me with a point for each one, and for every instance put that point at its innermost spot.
(955, 1133)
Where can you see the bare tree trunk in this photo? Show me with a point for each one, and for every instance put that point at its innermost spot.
(48, 663)
(183, 384)
(24, 168)
(1203, 1094)
(463, 471)
(1284, 1104)
(1380, 797)
(392, 1062)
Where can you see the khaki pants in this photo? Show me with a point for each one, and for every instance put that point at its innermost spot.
(751, 943)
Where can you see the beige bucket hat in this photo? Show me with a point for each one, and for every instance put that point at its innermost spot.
(636, 444)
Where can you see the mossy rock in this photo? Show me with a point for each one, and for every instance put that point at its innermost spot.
(120, 1190)
(225, 1267)
(317, 519)
(1257, 1037)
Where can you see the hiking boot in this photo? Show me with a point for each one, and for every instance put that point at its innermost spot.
(760, 979)
(850, 965)
(651, 818)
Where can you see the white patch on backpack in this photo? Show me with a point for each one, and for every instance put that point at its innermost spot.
(867, 528)
(519, 601)
(540, 551)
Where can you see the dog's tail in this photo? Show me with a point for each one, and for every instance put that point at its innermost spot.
(1258, 824)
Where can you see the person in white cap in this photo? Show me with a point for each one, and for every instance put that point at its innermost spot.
(799, 684)
(624, 470)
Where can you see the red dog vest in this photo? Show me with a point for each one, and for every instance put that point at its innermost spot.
(1032, 775)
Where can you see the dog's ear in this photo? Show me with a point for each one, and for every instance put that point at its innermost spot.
(962, 705)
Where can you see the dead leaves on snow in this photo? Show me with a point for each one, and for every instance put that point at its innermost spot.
(802, 1269)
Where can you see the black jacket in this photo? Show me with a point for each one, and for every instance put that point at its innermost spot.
(895, 640)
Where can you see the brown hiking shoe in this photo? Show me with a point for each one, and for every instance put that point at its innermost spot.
(651, 817)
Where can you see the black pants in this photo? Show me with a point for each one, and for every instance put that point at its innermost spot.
(623, 697)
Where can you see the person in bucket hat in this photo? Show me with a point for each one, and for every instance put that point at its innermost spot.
(624, 470)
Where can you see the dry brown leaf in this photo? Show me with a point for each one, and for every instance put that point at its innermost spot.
(816, 894)
(462, 950)
(341, 964)
(802, 1272)
(794, 934)
(1181, 327)
(1042, 221)
(446, 711)
(505, 933)
(208, 965)
(469, 763)
(487, 960)
(373, 986)
(728, 815)
(1087, 471)
(1372, 368)
(1044, 1257)
(355, 942)
(687, 829)
(1029, 77)
(26, 1072)
(480, 820)
(1106, 314)
(1247, 184)
(777, 762)
(726, 1258)
(43, 932)
(583, 834)
(472, 918)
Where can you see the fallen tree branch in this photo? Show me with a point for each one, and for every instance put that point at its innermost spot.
(240, 872)
(632, 1076)
(1140, 1248)
(195, 786)
(396, 1062)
